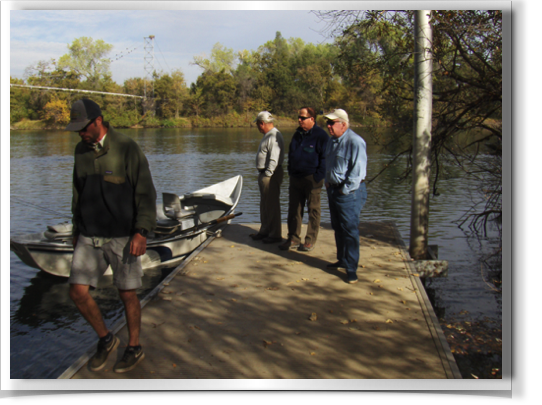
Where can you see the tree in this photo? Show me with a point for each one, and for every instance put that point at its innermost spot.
(218, 93)
(57, 112)
(87, 59)
(467, 85)
(222, 59)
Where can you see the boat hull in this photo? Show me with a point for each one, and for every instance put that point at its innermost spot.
(54, 255)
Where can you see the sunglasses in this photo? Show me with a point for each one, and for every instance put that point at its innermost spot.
(303, 118)
(330, 123)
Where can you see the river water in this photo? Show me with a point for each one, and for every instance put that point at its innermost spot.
(47, 334)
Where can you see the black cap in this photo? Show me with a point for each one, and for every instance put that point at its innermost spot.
(83, 111)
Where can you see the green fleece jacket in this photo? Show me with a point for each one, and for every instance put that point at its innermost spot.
(113, 192)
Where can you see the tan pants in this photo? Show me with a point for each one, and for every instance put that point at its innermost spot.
(303, 191)
(270, 203)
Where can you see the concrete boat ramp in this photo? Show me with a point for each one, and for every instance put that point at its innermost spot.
(240, 309)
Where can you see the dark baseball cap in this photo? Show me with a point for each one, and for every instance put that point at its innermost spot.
(83, 111)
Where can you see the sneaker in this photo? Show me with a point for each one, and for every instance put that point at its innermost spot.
(336, 265)
(289, 244)
(352, 277)
(97, 362)
(132, 357)
(307, 247)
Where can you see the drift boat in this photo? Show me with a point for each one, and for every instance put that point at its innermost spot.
(183, 224)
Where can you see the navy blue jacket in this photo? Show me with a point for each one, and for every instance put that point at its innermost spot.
(306, 154)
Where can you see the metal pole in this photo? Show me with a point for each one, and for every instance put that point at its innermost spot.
(423, 94)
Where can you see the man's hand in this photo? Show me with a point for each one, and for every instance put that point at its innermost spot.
(138, 245)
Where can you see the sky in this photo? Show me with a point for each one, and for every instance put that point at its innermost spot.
(42, 35)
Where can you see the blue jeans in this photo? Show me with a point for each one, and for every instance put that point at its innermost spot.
(345, 211)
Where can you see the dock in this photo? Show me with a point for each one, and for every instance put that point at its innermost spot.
(240, 309)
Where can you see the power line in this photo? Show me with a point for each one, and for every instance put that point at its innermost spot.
(75, 90)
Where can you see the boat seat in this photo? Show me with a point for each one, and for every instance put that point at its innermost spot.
(172, 207)
(60, 232)
(58, 236)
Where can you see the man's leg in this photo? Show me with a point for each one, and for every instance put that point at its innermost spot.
(314, 210)
(89, 309)
(132, 307)
(295, 210)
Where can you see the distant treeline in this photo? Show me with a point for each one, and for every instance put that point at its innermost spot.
(368, 71)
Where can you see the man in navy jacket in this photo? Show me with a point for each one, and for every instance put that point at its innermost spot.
(306, 168)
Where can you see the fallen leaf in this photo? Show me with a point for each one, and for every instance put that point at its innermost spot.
(313, 354)
(344, 322)
(400, 289)
(220, 278)
(404, 302)
(377, 281)
(313, 317)
(233, 299)
(174, 365)
(376, 328)
(167, 298)
(389, 321)
(272, 288)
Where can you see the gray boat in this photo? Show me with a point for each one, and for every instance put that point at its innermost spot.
(183, 223)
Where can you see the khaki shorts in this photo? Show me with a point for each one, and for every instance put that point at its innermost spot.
(90, 263)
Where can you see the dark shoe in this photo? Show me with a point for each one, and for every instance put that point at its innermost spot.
(132, 357)
(257, 236)
(288, 245)
(352, 278)
(336, 265)
(97, 362)
(306, 247)
(271, 240)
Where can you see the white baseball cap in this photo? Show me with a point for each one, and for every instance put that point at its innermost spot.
(264, 116)
(338, 114)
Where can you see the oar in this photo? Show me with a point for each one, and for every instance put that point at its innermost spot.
(215, 221)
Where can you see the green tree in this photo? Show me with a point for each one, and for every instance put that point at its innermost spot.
(218, 91)
(222, 59)
(87, 58)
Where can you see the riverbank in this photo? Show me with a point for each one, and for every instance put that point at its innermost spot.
(185, 123)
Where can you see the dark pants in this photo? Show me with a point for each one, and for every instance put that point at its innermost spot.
(345, 211)
(304, 190)
(270, 203)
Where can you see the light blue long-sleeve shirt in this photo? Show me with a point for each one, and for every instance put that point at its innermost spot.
(346, 161)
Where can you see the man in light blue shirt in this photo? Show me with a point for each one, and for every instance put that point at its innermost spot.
(346, 167)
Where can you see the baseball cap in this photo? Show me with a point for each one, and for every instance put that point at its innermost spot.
(338, 114)
(264, 116)
(83, 111)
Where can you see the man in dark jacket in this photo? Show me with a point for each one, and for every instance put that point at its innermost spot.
(114, 208)
(306, 168)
